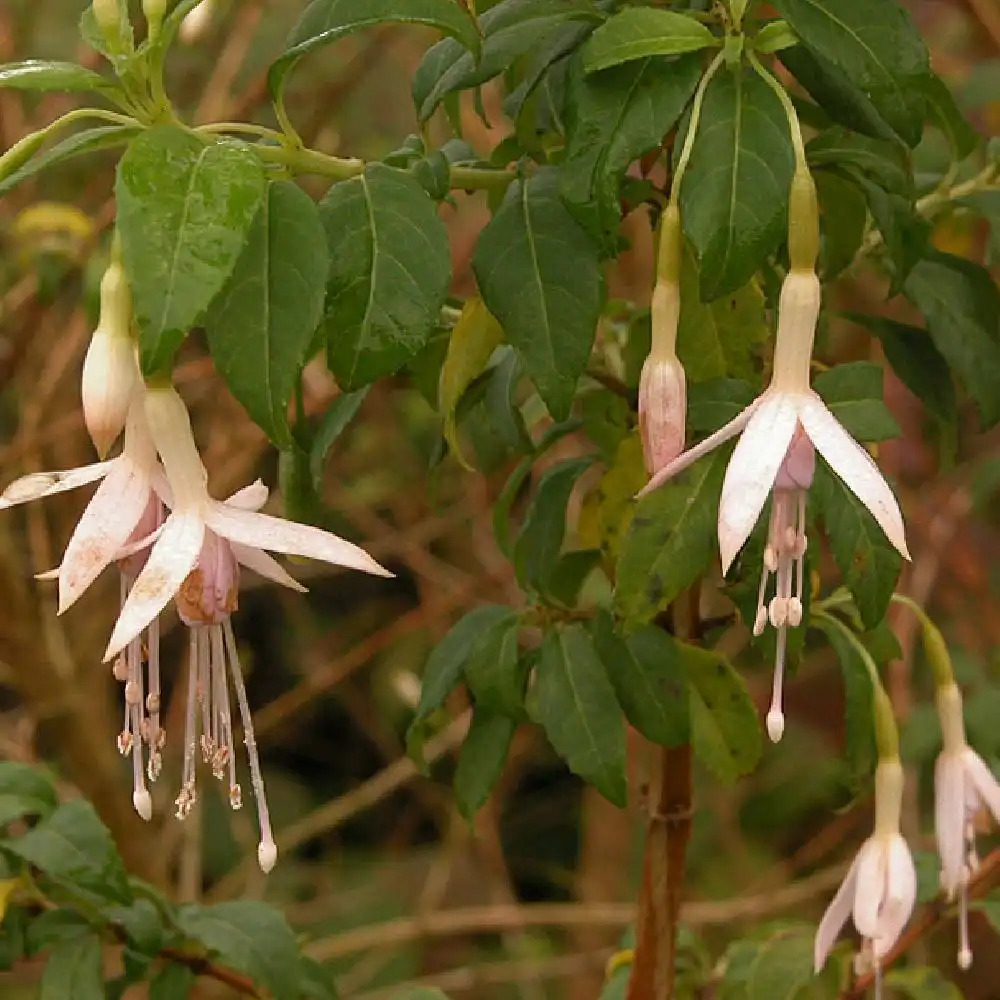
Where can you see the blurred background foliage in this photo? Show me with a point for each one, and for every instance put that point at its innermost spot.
(378, 869)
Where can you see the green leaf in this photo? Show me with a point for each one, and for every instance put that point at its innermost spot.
(774, 37)
(867, 561)
(250, 937)
(718, 338)
(333, 423)
(172, 982)
(185, 210)
(260, 327)
(946, 115)
(961, 304)
(923, 983)
(985, 203)
(783, 965)
(905, 231)
(74, 969)
(576, 706)
(511, 29)
(638, 32)
(845, 217)
(317, 981)
(539, 274)
(671, 541)
(647, 673)
(389, 275)
(884, 162)
(712, 404)
(475, 336)
(725, 731)
(734, 201)
(54, 927)
(324, 21)
(990, 908)
(45, 75)
(24, 791)
(482, 759)
(73, 845)
(492, 670)
(876, 45)
(853, 392)
(569, 574)
(88, 141)
(615, 117)
(541, 538)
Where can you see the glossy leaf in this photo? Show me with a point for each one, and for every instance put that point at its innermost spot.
(876, 45)
(46, 75)
(185, 210)
(250, 937)
(539, 274)
(492, 670)
(261, 325)
(671, 541)
(638, 32)
(511, 29)
(853, 391)
(735, 196)
(389, 275)
(868, 563)
(24, 791)
(74, 969)
(576, 705)
(615, 117)
(481, 759)
(324, 21)
(961, 304)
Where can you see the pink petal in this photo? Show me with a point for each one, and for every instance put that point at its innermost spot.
(251, 497)
(752, 470)
(855, 467)
(872, 862)
(261, 531)
(45, 484)
(835, 917)
(173, 556)
(104, 528)
(982, 780)
(689, 457)
(949, 819)
(261, 563)
(900, 896)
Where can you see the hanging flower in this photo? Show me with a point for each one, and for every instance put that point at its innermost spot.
(880, 889)
(963, 784)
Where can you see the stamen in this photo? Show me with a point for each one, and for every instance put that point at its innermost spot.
(964, 951)
(188, 794)
(267, 851)
(157, 736)
(775, 714)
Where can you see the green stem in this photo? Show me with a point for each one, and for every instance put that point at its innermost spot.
(82, 114)
(934, 645)
(241, 128)
(699, 97)
(786, 103)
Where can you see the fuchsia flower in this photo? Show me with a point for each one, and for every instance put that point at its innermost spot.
(781, 430)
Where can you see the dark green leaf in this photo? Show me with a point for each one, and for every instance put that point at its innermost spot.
(172, 982)
(53, 927)
(713, 403)
(481, 759)
(884, 162)
(577, 707)
(184, 213)
(845, 216)
(947, 116)
(647, 673)
(317, 982)
(781, 968)
(90, 140)
(917, 362)
(261, 325)
(389, 275)
(615, 117)
(876, 45)
(638, 32)
(142, 924)
(853, 392)
(569, 574)
(923, 983)
(46, 75)
(725, 731)
(541, 538)
(73, 845)
(250, 937)
(511, 29)
(734, 202)
(904, 231)
(492, 670)
(324, 21)
(24, 791)
(867, 561)
(985, 203)
(961, 303)
(74, 969)
(539, 274)
(340, 413)
(671, 540)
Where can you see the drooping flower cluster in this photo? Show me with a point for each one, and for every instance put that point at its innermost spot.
(154, 517)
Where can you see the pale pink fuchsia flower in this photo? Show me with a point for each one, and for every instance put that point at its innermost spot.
(197, 22)
(963, 784)
(880, 889)
(110, 372)
(781, 430)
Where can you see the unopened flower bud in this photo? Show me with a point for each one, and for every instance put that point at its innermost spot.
(110, 16)
(197, 22)
(662, 410)
(110, 372)
(210, 593)
(154, 11)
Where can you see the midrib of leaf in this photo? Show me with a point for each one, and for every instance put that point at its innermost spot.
(370, 304)
(269, 367)
(536, 274)
(180, 237)
(577, 700)
(623, 110)
(737, 131)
